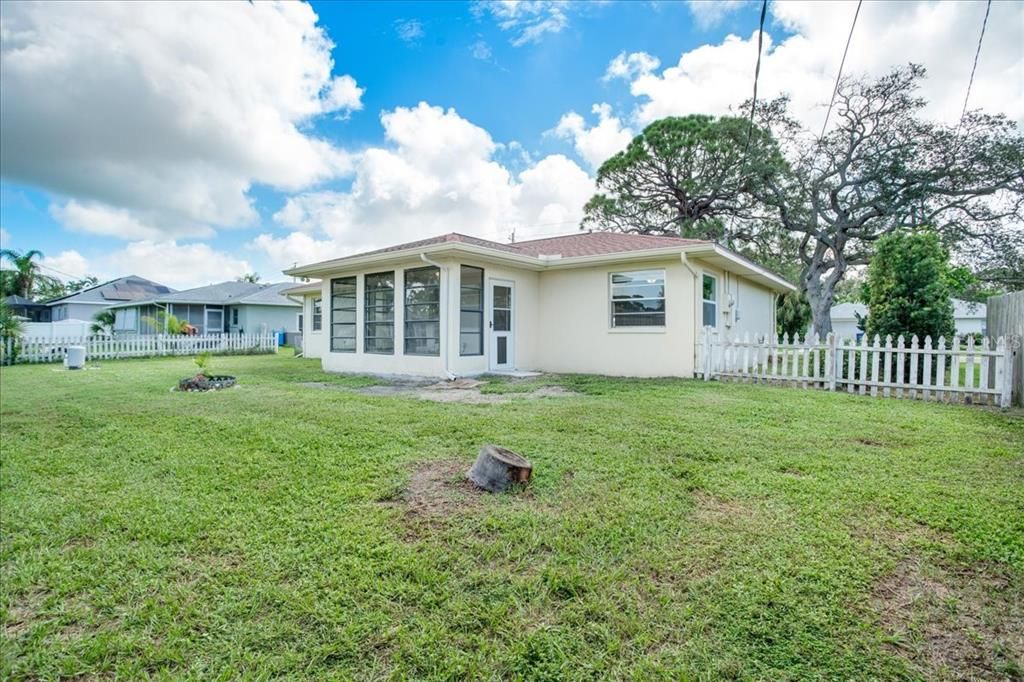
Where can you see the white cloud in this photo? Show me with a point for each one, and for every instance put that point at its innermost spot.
(5, 238)
(438, 174)
(100, 219)
(708, 13)
(480, 50)
(629, 66)
(940, 36)
(177, 265)
(528, 20)
(168, 112)
(169, 262)
(66, 265)
(597, 143)
(296, 248)
(409, 30)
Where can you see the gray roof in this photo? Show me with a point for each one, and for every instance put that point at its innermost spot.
(120, 290)
(20, 301)
(227, 293)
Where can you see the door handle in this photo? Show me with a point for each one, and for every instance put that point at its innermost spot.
(490, 324)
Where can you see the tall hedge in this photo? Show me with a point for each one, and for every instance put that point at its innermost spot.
(908, 287)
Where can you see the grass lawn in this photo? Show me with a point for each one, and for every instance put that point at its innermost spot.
(674, 530)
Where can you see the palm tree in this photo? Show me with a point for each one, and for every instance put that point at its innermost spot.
(103, 323)
(250, 277)
(25, 273)
(10, 324)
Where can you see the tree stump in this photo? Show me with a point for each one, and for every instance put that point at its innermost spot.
(496, 469)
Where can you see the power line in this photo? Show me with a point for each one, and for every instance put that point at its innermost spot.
(977, 53)
(757, 72)
(839, 74)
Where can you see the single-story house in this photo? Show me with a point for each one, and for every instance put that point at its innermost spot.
(968, 316)
(601, 303)
(235, 307)
(84, 304)
(27, 309)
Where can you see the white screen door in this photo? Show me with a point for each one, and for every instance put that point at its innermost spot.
(502, 344)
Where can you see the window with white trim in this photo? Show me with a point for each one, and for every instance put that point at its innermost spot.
(471, 310)
(343, 315)
(638, 298)
(709, 296)
(379, 313)
(423, 311)
(318, 314)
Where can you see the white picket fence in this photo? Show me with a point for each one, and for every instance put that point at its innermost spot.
(45, 349)
(958, 371)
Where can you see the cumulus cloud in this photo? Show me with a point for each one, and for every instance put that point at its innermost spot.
(708, 13)
(597, 143)
(630, 66)
(438, 173)
(164, 114)
(177, 265)
(296, 248)
(66, 265)
(940, 36)
(528, 21)
(100, 219)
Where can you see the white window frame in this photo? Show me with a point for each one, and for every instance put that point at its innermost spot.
(313, 314)
(647, 328)
(713, 302)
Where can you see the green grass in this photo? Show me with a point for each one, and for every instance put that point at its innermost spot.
(674, 530)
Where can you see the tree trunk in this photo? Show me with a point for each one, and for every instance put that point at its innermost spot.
(497, 469)
(820, 293)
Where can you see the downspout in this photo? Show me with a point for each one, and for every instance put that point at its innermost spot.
(696, 306)
(447, 315)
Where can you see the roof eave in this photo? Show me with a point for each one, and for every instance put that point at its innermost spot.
(328, 268)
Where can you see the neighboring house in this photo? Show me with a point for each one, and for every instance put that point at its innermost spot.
(602, 303)
(27, 308)
(84, 304)
(969, 318)
(235, 307)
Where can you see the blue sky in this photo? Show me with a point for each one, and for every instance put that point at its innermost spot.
(496, 79)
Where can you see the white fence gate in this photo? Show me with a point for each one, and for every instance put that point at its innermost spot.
(958, 371)
(29, 349)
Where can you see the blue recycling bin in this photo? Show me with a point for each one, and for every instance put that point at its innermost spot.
(280, 337)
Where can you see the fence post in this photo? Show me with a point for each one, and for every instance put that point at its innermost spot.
(830, 361)
(1004, 371)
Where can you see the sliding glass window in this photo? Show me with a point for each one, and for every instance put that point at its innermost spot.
(471, 311)
(379, 313)
(423, 311)
(343, 315)
(638, 298)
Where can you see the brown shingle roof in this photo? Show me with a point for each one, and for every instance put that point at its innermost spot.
(440, 239)
(598, 243)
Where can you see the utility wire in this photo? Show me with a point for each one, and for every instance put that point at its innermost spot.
(757, 73)
(977, 53)
(839, 75)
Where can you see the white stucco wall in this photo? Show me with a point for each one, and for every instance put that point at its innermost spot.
(576, 333)
(561, 321)
(314, 343)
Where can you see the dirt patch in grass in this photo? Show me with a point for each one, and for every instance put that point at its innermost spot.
(23, 612)
(437, 488)
(713, 509)
(954, 623)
